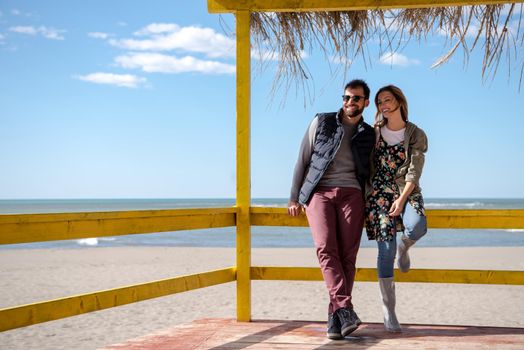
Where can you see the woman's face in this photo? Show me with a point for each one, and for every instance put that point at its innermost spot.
(387, 103)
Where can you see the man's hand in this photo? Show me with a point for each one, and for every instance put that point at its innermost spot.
(293, 208)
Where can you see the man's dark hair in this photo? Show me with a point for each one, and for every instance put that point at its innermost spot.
(356, 83)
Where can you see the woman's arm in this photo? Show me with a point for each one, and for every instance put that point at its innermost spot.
(419, 146)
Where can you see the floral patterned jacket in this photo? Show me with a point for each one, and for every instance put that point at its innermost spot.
(415, 144)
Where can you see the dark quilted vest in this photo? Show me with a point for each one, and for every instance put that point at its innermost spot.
(327, 141)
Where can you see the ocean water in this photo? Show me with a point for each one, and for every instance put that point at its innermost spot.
(261, 236)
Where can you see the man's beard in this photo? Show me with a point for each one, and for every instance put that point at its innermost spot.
(355, 112)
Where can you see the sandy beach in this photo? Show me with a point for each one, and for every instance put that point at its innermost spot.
(35, 275)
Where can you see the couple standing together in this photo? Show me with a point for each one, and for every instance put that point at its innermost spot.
(349, 174)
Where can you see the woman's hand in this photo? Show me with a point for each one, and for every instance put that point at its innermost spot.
(293, 208)
(397, 207)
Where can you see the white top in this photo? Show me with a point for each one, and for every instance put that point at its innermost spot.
(392, 137)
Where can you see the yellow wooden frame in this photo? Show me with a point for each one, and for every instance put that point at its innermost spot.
(39, 227)
(26, 315)
(232, 6)
(25, 228)
(243, 83)
(457, 218)
(297, 273)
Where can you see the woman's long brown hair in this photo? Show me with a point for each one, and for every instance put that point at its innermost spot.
(380, 121)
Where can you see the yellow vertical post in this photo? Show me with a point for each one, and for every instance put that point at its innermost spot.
(243, 201)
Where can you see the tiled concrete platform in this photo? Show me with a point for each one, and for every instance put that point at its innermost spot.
(229, 334)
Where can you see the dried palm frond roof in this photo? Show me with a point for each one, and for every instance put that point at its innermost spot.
(495, 30)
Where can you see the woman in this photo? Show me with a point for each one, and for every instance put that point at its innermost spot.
(394, 200)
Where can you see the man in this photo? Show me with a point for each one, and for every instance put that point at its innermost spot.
(329, 180)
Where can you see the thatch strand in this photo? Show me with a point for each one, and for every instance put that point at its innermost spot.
(288, 37)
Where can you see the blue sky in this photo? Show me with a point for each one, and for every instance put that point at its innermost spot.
(133, 99)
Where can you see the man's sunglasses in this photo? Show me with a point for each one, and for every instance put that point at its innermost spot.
(355, 98)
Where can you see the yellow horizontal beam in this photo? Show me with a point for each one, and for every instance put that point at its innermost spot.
(270, 273)
(228, 6)
(265, 216)
(25, 228)
(26, 315)
(481, 218)
(462, 276)
(415, 275)
(477, 219)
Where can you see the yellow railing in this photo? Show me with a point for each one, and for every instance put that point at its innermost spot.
(48, 227)
(26, 228)
(472, 219)
(26, 315)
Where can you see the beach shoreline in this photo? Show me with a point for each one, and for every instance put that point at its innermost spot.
(42, 274)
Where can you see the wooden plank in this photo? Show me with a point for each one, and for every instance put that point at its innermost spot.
(104, 215)
(26, 315)
(461, 276)
(243, 125)
(286, 273)
(415, 275)
(267, 334)
(265, 216)
(476, 219)
(229, 6)
(25, 228)
(458, 218)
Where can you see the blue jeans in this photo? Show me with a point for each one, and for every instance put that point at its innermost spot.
(415, 228)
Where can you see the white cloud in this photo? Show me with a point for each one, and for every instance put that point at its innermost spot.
(17, 12)
(472, 31)
(268, 55)
(158, 28)
(506, 7)
(159, 63)
(98, 35)
(340, 60)
(167, 37)
(51, 33)
(124, 80)
(397, 59)
(48, 33)
(264, 55)
(24, 30)
(2, 37)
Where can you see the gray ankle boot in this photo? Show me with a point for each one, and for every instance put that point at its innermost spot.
(403, 256)
(387, 289)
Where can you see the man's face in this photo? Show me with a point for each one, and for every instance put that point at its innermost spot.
(354, 102)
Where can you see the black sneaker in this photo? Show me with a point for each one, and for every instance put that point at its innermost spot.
(333, 327)
(347, 323)
(354, 317)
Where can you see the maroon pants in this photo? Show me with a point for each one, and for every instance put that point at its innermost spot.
(336, 218)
